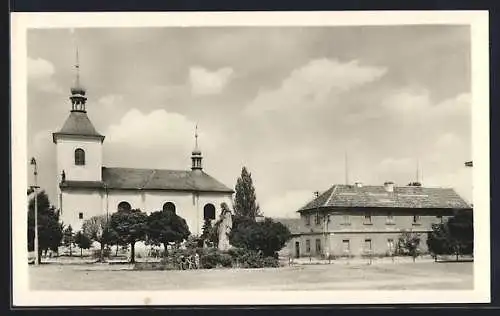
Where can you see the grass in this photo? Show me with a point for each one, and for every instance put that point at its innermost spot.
(403, 276)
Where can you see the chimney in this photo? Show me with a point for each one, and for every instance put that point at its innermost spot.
(358, 184)
(389, 186)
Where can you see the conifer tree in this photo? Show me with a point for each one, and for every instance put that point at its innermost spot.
(245, 202)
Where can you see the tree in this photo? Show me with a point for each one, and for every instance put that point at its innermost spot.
(68, 239)
(49, 227)
(209, 232)
(207, 227)
(245, 201)
(131, 226)
(96, 228)
(461, 232)
(438, 241)
(164, 227)
(114, 239)
(268, 236)
(82, 241)
(408, 244)
(456, 236)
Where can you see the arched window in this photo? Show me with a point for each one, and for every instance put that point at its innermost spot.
(79, 157)
(124, 206)
(169, 206)
(209, 211)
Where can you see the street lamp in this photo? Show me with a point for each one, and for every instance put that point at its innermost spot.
(35, 187)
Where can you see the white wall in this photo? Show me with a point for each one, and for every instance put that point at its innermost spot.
(89, 202)
(91, 171)
(188, 205)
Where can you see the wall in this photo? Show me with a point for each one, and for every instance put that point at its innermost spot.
(65, 150)
(188, 205)
(357, 230)
(88, 202)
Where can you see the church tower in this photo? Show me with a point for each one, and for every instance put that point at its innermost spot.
(196, 156)
(78, 144)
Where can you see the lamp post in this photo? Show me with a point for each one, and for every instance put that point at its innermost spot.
(35, 187)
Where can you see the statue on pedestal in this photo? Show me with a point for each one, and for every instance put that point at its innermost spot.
(226, 223)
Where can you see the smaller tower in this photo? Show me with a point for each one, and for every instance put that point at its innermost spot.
(78, 98)
(196, 156)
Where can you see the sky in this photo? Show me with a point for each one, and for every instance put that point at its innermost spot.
(289, 103)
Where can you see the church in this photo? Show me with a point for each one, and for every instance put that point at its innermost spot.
(86, 188)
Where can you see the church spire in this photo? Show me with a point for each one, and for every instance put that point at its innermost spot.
(196, 156)
(78, 98)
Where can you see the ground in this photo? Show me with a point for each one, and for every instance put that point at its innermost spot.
(339, 276)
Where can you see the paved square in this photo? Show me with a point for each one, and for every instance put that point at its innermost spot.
(339, 276)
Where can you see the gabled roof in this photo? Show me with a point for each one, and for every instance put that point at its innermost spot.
(161, 179)
(347, 196)
(78, 124)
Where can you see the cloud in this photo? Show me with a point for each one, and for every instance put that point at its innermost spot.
(158, 139)
(204, 82)
(110, 100)
(287, 204)
(40, 75)
(157, 127)
(39, 68)
(314, 84)
(407, 101)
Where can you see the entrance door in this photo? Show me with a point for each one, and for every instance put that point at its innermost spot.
(297, 249)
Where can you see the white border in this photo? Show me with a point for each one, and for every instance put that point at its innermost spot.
(478, 20)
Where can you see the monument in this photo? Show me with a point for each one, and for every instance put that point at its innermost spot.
(226, 223)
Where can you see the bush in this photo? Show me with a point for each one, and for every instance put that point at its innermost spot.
(209, 259)
(212, 258)
(245, 258)
(268, 236)
(194, 242)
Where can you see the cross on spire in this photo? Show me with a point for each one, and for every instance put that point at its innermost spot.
(78, 99)
(77, 67)
(196, 136)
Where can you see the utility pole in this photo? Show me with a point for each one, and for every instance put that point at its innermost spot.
(35, 187)
(326, 218)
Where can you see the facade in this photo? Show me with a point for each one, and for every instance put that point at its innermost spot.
(87, 188)
(357, 220)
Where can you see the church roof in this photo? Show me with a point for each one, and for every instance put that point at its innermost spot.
(152, 179)
(161, 179)
(78, 123)
(409, 197)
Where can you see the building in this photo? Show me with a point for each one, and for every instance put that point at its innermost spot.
(353, 220)
(87, 188)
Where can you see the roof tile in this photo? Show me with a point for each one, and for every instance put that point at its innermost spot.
(161, 179)
(377, 196)
(78, 123)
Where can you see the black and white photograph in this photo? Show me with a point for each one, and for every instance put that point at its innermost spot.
(334, 157)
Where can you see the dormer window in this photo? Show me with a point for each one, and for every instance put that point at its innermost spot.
(79, 157)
